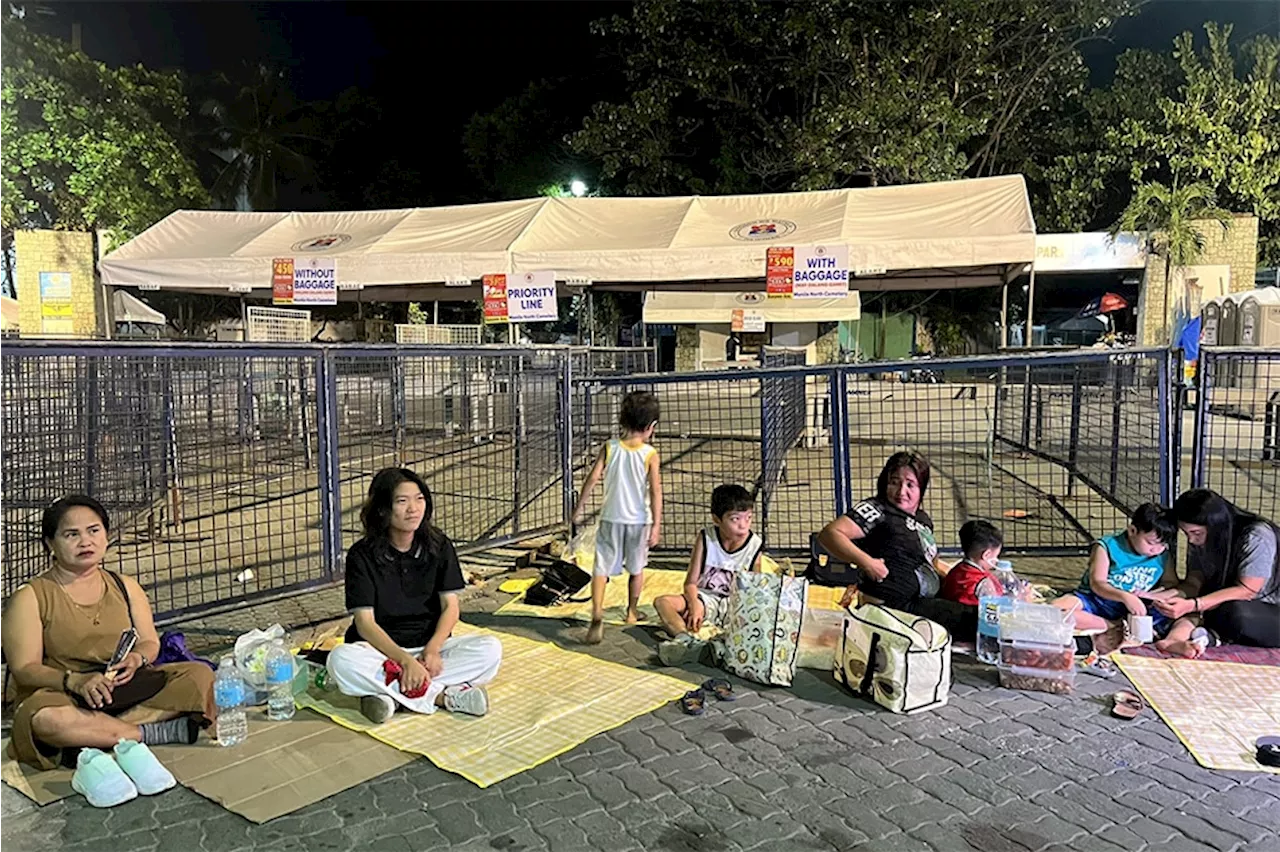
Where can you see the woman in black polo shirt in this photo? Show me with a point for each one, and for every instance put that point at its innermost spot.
(889, 538)
(402, 583)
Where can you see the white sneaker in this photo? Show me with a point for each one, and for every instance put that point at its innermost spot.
(472, 700)
(142, 767)
(377, 708)
(101, 780)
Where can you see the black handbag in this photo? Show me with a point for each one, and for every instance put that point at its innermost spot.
(559, 581)
(822, 570)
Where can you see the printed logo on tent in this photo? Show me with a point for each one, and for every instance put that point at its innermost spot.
(750, 298)
(324, 242)
(762, 229)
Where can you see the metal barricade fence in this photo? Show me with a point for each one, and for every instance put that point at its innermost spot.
(234, 471)
(237, 471)
(1236, 449)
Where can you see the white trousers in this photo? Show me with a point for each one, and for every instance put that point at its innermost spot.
(356, 669)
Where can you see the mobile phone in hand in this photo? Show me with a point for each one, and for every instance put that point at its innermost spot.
(128, 639)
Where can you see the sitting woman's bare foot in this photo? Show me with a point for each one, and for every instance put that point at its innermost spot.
(1180, 648)
(595, 633)
(635, 616)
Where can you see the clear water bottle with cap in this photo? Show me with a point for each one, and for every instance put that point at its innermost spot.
(229, 694)
(279, 672)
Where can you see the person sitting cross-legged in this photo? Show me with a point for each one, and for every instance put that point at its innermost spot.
(402, 583)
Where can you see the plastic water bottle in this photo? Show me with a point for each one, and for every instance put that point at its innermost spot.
(228, 693)
(279, 671)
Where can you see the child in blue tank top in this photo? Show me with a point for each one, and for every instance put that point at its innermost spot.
(1123, 569)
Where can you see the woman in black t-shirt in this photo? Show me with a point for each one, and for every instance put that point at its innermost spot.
(402, 585)
(889, 539)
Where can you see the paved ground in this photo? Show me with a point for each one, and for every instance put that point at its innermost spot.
(804, 768)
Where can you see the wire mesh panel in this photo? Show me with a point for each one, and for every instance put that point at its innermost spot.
(447, 335)
(480, 427)
(790, 406)
(1238, 427)
(1090, 435)
(278, 325)
(207, 462)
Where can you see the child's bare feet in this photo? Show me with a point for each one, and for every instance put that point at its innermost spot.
(1180, 648)
(635, 616)
(595, 633)
(1111, 640)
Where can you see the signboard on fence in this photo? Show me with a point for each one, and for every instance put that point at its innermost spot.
(56, 314)
(527, 297)
(745, 320)
(306, 281)
(807, 272)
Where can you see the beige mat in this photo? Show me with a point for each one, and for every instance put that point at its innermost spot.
(656, 583)
(545, 701)
(281, 767)
(1217, 709)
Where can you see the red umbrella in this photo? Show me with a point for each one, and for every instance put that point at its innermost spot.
(1104, 304)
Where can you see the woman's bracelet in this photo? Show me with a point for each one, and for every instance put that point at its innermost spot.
(1197, 601)
(66, 677)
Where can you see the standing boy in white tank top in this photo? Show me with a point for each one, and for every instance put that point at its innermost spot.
(631, 517)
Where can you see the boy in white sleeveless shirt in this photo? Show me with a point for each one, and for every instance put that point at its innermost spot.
(631, 517)
(720, 551)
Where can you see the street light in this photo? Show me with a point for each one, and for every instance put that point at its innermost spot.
(578, 188)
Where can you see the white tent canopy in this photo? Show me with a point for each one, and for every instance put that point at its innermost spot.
(692, 308)
(959, 233)
(128, 308)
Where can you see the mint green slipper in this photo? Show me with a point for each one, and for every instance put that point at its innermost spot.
(101, 780)
(142, 767)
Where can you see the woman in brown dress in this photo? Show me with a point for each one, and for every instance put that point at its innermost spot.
(60, 632)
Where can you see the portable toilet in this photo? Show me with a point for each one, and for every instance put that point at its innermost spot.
(1210, 317)
(1228, 323)
(1260, 318)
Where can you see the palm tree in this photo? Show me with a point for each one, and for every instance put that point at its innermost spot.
(258, 135)
(1167, 217)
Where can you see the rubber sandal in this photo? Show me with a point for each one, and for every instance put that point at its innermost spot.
(721, 689)
(1127, 705)
(1098, 666)
(694, 702)
(1268, 751)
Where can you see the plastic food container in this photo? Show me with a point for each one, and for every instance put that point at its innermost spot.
(1036, 655)
(1040, 623)
(1038, 680)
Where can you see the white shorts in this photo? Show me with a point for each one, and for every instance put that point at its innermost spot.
(715, 610)
(618, 545)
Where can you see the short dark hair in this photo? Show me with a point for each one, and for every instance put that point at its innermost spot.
(56, 511)
(375, 515)
(639, 411)
(977, 537)
(912, 461)
(1151, 517)
(731, 497)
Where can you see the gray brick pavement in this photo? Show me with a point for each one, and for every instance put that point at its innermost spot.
(805, 768)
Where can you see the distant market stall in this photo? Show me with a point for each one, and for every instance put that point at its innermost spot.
(969, 233)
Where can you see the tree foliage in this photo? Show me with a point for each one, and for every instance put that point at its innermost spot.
(1208, 116)
(761, 96)
(86, 146)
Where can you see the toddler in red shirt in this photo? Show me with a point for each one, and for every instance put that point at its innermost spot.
(982, 543)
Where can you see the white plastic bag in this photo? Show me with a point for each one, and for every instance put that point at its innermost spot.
(251, 658)
(581, 550)
(900, 661)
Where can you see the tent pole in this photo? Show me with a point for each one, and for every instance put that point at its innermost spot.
(435, 312)
(1031, 300)
(244, 318)
(1004, 309)
(591, 315)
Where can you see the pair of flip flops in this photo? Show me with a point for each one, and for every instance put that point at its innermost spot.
(694, 702)
(1268, 750)
(1127, 705)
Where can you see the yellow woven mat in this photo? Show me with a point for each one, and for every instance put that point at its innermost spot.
(656, 582)
(544, 702)
(1217, 709)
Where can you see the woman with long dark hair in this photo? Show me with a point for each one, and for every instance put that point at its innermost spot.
(402, 582)
(1233, 577)
(77, 703)
(889, 539)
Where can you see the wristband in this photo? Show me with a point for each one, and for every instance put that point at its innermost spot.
(1197, 602)
(66, 676)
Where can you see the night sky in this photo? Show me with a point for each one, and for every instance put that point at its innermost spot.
(441, 62)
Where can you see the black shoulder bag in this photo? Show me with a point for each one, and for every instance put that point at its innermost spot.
(146, 682)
